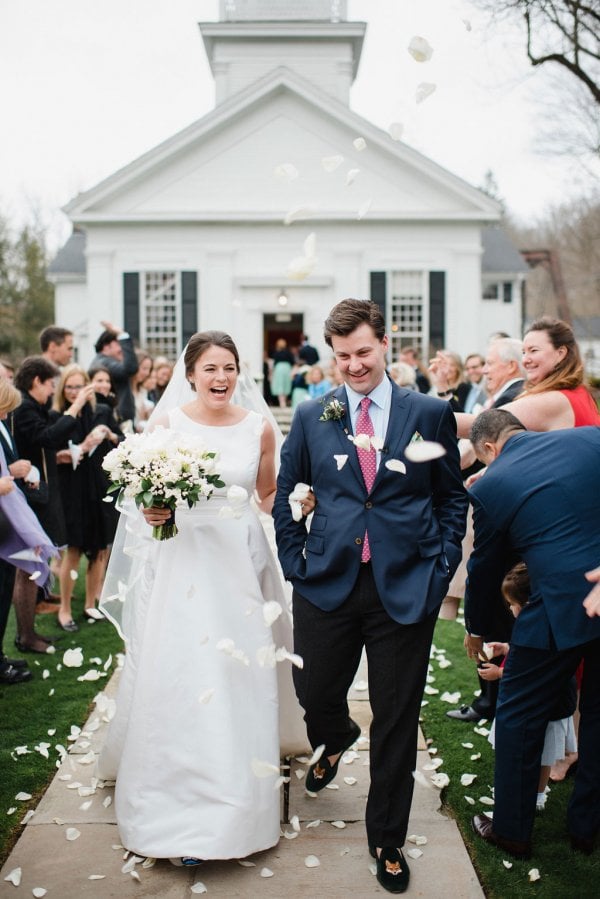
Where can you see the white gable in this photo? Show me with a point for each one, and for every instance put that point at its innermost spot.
(223, 168)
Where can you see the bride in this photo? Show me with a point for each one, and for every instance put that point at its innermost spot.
(196, 726)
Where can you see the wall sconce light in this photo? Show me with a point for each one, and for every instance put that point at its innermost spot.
(282, 299)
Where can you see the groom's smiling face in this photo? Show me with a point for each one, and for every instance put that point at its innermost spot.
(360, 357)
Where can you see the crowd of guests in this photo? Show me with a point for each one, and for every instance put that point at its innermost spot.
(58, 420)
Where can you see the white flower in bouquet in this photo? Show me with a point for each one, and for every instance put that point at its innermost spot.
(163, 469)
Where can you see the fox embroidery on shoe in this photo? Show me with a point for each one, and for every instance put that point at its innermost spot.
(392, 868)
(318, 772)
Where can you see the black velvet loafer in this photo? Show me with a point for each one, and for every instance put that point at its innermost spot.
(322, 773)
(392, 870)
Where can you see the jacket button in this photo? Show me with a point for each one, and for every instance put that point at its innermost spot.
(358, 540)
(368, 505)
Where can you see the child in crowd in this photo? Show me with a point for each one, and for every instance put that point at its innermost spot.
(560, 733)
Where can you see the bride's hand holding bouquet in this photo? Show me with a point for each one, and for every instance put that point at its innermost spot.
(161, 470)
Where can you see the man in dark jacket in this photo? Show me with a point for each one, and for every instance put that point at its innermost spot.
(115, 352)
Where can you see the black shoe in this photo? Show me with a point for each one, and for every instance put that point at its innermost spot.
(484, 828)
(26, 647)
(322, 773)
(392, 870)
(11, 675)
(464, 713)
(15, 663)
(69, 626)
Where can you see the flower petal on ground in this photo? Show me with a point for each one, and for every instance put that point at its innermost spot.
(198, 887)
(245, 863)
(417, 839)
(14, 876)
(73, 658)
(486, 800)
(72, 833)
(97, 877)
(470, 800)
(332, 787)
(414, 853)
(534, 874)
(433, 765)
(421, 779)
(440, 780)
(359, 144)
(420, 49)
(314, 823)
(350, 781)
(507, 865)
(266, 872)
(445, 663)
(452, 698)
(424, 451)
(467, 745)
(23, 797)
(339, 824)
(467, 779)
(311, 861)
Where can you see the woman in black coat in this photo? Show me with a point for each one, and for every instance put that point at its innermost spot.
(37, 438)
(82, 488)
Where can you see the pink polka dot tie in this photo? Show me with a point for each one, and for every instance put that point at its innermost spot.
(367, 459)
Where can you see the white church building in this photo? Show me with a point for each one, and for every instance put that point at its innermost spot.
(200, 231)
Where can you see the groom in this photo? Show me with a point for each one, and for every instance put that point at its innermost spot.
(384, 541)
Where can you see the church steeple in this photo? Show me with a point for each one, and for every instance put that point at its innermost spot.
(311, 37)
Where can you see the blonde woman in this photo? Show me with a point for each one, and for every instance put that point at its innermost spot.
(82, 491)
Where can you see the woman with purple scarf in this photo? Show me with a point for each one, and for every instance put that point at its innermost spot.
(23, 545)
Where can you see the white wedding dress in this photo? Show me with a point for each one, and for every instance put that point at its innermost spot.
(191, 717)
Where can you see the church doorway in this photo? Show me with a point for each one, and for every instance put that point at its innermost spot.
(282, 325)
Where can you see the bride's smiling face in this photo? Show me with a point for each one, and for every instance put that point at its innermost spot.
(214, 376)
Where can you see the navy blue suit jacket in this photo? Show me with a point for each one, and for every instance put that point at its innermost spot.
(416, 520)
(538, 502)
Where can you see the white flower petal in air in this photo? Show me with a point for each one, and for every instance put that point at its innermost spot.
(299, 212)
(331, 163)
(359, 144)
(35, 575)
(287, 171)
(300, 267)
(377, 443)
(507, 865)
(414, 853)
(339, 824)
(198, 887)
(420, 49)
(424, 89)
(310, 245)
(424, 451)
(206, 696)
(452, 698)
(311, 861)
(73, 658)
(362, 441)
(534, 874)
(271, 611)
(316, 754)
(364, 208)
(470, 800)
(340, 460)
(266, 872)
(295, 822)
(72, 833)
(264, 769)
(396, 465)
(351, 176)
(14, 876)
(106, 499)
(467, 24)
(396, 130)
(467, 779)
(440, 780)
(350, 781)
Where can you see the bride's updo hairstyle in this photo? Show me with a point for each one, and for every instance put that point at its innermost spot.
(202, 341)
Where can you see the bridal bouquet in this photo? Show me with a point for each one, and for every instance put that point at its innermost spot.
(162, 468)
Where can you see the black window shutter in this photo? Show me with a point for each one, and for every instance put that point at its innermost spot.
(189, 305)
(437, 310)
(378, 290)
(131, 304)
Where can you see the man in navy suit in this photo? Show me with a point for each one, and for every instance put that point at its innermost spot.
(374, 567)
(538, 502)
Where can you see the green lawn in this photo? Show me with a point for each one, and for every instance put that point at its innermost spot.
(564, 874)
(28, 711)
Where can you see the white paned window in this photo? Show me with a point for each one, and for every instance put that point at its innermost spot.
(408, 312)
(160, 315)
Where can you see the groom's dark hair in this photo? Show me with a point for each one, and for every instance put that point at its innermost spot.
(348, 315)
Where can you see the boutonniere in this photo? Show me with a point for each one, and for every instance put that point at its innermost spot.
(332, 411)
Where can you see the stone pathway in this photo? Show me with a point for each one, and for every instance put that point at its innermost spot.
(63, 867)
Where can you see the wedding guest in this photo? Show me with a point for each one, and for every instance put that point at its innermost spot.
(7, 370)
(205, 795)
(318, 385)
(163, 371)
(281, 378)
(537, 499)
(143, 405)
(560, 733)
(410, 355)
(446, 371)
(376, 582)
(56, 345)
(307, 353)
(114, 351)
(299, 384)
(403, 375)
(82, 490)
(476, 397)
(37, 438)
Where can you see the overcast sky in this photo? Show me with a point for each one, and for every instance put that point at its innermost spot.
(88, 86)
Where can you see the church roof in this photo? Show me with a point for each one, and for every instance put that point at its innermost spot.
(70, 259)
(499, 252)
